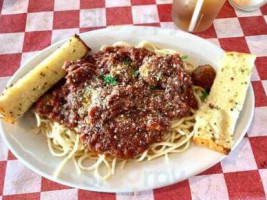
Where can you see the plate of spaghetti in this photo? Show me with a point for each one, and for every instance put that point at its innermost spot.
(127, 109)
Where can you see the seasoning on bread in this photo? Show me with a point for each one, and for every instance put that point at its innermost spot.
(217, 118)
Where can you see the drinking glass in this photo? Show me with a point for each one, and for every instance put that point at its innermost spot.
(195, 15)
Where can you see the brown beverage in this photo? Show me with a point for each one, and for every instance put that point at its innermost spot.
(205, 12)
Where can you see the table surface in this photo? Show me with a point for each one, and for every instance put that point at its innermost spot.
(28, 26)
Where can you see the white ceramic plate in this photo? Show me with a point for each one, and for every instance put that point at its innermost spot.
(32, 149)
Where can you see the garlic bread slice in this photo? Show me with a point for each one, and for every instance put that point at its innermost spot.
(18, 98)
(217, 118)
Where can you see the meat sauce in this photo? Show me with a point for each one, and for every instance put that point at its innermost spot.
(121, 99)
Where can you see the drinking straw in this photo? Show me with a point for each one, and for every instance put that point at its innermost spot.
(195, 15)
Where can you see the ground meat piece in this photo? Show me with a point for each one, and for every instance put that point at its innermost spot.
(204, 76)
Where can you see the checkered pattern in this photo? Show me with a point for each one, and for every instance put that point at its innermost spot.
(28, 26)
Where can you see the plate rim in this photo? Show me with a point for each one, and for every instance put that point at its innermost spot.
(104, 189)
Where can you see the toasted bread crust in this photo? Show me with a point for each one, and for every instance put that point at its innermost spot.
(204, 142)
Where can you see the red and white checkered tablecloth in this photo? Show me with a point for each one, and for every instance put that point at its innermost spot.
(28, 26)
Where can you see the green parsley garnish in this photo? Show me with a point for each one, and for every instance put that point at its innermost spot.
(135, 73)
(102, 76)
(204, 95)
(108, 79)
(158, 76)
(184, 57)
(127, 62)
(152, 87)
